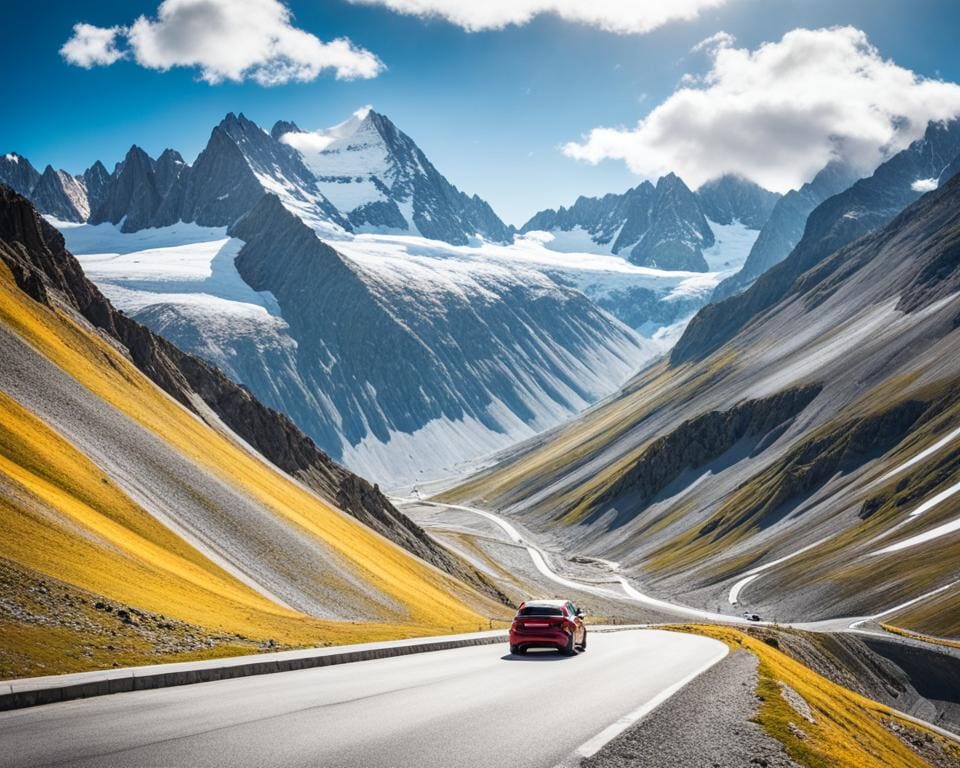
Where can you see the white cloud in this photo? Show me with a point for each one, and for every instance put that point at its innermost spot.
(778, 114)
(92, 46)
(719, 39)
(226, 40)
(620, 16)
(924, 185)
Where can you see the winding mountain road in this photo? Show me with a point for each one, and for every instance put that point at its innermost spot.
(473, 707)
(625, 588)
(838, 624)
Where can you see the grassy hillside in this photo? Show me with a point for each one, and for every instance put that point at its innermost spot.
(66, 522)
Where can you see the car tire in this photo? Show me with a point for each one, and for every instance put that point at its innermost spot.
(569, 649)
(515, 650)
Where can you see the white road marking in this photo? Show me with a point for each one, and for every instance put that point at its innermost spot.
(594, 745)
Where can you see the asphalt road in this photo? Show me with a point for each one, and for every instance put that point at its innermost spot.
(473, 707)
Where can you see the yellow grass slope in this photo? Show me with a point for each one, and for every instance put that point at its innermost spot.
(847, 730)
(64, 519)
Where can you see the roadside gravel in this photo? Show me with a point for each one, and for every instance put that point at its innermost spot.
(707, 723)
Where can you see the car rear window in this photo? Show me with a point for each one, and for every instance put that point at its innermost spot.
(540, 610)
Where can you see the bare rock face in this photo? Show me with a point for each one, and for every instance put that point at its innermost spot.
(96, 180)
(17, 173)
(131, 198)
(167, 170)
(226, 181)
(35, 253)
(678, 230)
(733, 198)
(61, 195)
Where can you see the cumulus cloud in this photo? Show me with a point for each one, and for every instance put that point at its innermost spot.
(779, 113)
(92, 46)
(226, 40)
(719, 39)
(620, 16)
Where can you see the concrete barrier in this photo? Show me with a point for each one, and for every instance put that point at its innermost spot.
(33, 691)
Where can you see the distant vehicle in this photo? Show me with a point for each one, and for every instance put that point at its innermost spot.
(548, 624)
(751, 616)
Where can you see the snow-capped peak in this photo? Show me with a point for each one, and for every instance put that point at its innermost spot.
(382, 182)
(322, 139)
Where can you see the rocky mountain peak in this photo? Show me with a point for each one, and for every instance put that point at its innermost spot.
(167, 170)
(138, 156)
(59, 194)
(17, 173)
(131, 198)
(836, 221)
(657, 226)
(382, 181)
(239, 164)
(96, 180)
(732, 198)
(284, 126)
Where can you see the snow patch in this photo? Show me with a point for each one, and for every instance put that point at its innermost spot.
(924, 185)
(183, 264)
(731, 246)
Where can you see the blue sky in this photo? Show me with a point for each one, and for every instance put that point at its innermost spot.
(491, 109)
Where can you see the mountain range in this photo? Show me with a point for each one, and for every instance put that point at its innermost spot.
(838, 220)
(664, 226)
(377, 176)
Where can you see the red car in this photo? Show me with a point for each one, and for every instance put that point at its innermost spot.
(548, 624)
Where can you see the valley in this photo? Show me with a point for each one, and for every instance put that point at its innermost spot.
(427, 383)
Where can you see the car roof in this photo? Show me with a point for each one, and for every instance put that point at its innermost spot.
(545, 602)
